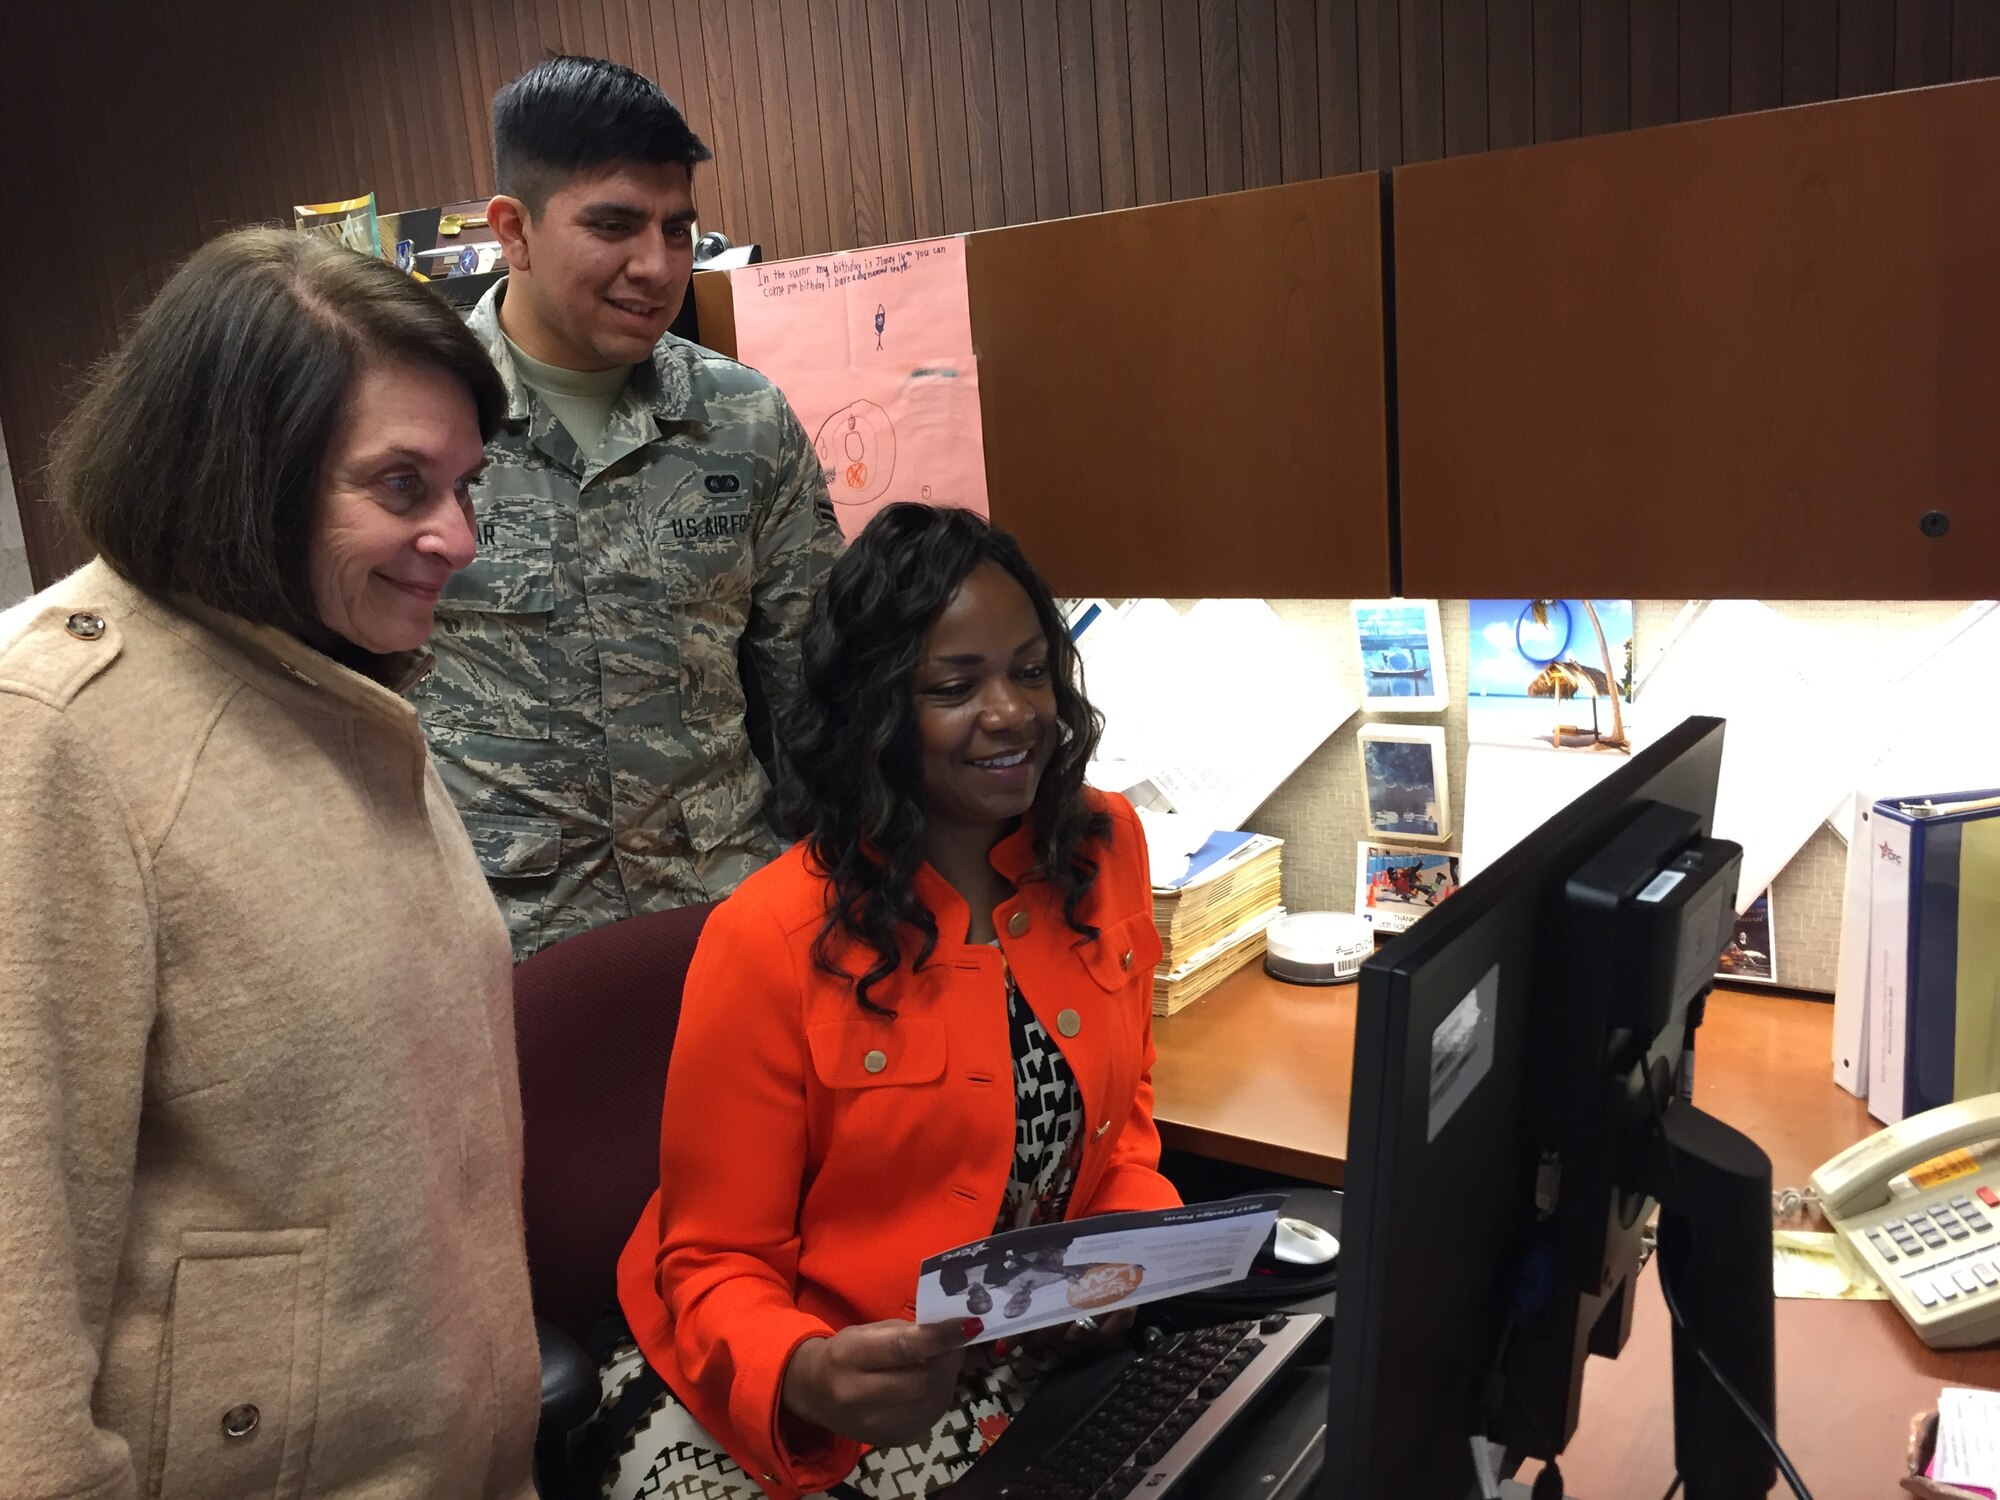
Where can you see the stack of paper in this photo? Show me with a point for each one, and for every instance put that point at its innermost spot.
(1968, 1441)
(1212, 916)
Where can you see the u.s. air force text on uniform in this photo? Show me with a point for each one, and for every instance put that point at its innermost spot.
(588, 707)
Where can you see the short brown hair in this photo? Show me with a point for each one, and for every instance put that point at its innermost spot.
(192, 462)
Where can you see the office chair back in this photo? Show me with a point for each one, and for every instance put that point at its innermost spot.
(594, 1020)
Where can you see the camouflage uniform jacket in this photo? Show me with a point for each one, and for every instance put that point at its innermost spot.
(588, 707)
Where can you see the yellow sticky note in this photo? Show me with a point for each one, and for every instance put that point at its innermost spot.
(1806, 1263)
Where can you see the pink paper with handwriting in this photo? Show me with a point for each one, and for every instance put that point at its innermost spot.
(873, 348)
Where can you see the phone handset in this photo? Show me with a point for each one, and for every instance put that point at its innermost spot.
(1858, 1178)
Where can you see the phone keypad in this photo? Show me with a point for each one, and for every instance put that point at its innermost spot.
(1946, 1252)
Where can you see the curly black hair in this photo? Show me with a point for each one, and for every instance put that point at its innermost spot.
(854, 791)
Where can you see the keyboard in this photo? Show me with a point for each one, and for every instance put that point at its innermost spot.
(1127, 1423)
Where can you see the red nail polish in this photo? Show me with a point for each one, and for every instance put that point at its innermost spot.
(1001, 1348)
(971, 1328)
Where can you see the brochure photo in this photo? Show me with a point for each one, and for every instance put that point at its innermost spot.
(1049, 1274)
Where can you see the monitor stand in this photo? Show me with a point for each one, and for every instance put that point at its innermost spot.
(1713, 1184)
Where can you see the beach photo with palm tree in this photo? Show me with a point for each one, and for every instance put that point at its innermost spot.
(1555, 672)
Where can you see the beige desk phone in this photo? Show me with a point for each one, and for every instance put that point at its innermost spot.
(1936, 1253)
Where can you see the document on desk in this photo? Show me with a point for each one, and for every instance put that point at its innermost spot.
(1051, 1274)
(1817, 1266)
(873, 348)
(1217, 706)
(1968, 1439)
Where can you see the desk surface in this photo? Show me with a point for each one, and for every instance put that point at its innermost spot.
(1217, 1092)
(1257, 1073)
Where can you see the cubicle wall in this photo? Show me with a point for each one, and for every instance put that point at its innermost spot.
(1186, 399)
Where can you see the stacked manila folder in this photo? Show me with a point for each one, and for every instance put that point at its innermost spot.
(1212, 918)
(1919, 991)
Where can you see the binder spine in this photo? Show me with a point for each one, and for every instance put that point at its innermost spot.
(1931, 1063)
(1852, 1000)
(1889, 964)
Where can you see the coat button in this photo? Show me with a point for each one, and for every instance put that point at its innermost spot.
(875, 1061)
(84, 627)
(1101, 1129)
(1126, 962)
(1017, 925)
(240, 1421)
(1069, 1023)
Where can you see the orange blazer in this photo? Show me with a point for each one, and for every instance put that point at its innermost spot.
(812, 1154)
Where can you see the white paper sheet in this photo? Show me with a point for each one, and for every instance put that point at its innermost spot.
(1218, 706)
(1811, 720)
(1938, 725)
(1968, 1438)
(1511, 790)
(1796, 726)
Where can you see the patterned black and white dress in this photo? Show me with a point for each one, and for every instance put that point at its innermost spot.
(665, 1454)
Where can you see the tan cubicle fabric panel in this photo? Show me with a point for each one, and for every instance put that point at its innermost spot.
(1743, 357)
(1188, 399)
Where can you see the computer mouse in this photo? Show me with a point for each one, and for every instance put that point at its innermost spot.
(1299, 1243)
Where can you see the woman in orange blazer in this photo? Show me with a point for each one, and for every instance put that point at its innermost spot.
(930, 1020)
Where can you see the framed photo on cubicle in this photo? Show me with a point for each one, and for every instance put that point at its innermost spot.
(1402, 655)
(1752, 950)
(1394, 887)
(1403, 777)
(1549, 673)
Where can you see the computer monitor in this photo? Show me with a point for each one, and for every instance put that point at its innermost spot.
(1520, 1064)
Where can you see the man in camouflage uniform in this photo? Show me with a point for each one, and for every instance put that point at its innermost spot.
(652, 519)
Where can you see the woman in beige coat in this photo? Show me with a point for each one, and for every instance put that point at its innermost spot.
(260, 1227)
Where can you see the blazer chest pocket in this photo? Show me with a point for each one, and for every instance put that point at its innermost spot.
(1123, 952)
(242, 1362)
(865, 1055)
(493, 622)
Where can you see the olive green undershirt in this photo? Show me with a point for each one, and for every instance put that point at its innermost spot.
(581, 399)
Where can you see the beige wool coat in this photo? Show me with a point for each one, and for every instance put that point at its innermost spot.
(260, 1155)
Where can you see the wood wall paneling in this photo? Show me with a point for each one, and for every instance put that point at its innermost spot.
(1463, 52)
(1419, 41)
(1117, 140)
(953, 122)
(1263, 97)
(1778, 326)
(1558, 69)
(1606, 65)
(1339, 67)
(837, 123)
(1510, 73)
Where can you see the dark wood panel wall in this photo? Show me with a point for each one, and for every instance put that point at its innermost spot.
(129, 133)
